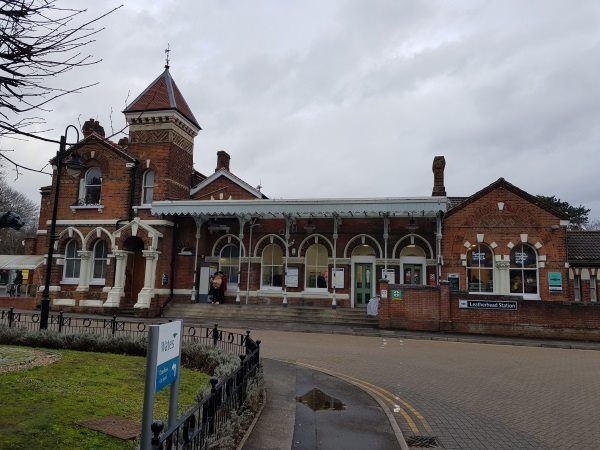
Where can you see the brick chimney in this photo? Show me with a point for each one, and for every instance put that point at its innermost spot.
(222, 161)
(92, 126)
(439, 164)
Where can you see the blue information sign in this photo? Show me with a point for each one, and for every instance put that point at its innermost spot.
(167, 358)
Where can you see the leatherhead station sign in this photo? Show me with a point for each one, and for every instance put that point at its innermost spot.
(505, 305)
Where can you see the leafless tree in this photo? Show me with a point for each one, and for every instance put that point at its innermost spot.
(12, 200)
(39, 41)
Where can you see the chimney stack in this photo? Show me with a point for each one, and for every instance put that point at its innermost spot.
(439, 164)
(222, 161)
(92, 126)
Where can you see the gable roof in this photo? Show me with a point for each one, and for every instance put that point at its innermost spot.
(96, 138)
(583, 247)
(227, 174)
(162, 94)
(502, 183)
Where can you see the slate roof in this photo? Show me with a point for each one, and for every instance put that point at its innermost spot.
(162, 94)
(583, 248)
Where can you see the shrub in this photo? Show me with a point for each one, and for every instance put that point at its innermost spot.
(210, 360)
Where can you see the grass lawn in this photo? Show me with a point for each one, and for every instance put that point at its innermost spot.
(39, 407)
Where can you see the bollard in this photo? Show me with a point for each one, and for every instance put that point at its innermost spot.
(60, 321)
(156, 427)
(114, 324)
(215, 333)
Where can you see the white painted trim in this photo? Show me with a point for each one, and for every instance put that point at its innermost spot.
(41, 232)
(313, 236)
(359, 236)
(63, 302)
(227, 174)
(416, 261)
(408, 236)
(91, 303)
(565, 223)
(74, 208)
(275, 236)
(228, 235)
(85, 222)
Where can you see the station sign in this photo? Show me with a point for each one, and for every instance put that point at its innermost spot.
(168, 354)
(504, 305)
(555, 281)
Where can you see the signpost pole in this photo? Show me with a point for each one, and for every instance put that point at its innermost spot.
(174, 394)
(149, 387)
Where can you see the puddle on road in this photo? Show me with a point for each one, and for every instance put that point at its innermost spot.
(317, 400)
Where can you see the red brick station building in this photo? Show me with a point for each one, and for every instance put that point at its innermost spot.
(141, 228)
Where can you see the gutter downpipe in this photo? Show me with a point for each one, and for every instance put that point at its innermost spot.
(287, 253)
(162, 308)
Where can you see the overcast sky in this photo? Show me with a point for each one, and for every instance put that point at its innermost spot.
(355, 98)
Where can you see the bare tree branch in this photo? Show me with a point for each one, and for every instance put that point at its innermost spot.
(39, 41)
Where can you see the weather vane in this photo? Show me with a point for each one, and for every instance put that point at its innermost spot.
(167, 51)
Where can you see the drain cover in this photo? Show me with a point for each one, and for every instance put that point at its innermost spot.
(317, 400)
(422, 441)
(115, 426)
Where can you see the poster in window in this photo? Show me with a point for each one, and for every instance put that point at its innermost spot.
(291, 277)
(454, 278)
(389, 275)
(338, 278)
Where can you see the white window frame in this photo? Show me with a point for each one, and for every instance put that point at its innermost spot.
(83, 187)
(306, 270)
(145, 187)
(65, 279)
(577, 287)
(526, 296)
(593, 288)
(263, 265)
(492, 268)
(230, 284)
(99, 281)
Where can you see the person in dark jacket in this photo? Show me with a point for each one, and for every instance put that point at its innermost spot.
(217, 288)
(17, 282)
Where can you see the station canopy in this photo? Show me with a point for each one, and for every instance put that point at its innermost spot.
(279, 208)
(20, 262)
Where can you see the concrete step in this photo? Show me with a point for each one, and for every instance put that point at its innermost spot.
(240, 314)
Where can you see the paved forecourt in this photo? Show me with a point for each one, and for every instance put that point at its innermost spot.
(466, 395)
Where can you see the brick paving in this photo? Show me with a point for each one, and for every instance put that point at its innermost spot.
(471, 395)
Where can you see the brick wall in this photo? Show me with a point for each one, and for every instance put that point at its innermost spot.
(436, 309)
(500, 228)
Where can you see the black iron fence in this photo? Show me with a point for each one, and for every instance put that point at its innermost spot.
(204, 423)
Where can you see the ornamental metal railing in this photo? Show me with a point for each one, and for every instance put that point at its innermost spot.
(203, 425)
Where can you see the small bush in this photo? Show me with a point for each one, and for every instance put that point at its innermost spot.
(210, 360)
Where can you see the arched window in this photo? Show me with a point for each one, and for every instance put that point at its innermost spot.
(272, 266)
(100, 261)
(72, 260)
(412, 250)
(147, 187)
(523, 270)
(363, 250)
(229, 262)
(92, 187)
(480, 269)
(316, 267)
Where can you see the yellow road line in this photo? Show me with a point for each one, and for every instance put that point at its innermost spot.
(391, 398)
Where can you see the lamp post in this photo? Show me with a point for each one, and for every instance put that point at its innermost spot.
(75, 165)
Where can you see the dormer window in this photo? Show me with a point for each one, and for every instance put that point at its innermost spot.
(147, 187)
(91, 187)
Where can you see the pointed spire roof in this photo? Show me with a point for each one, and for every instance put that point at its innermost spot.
(162, 94)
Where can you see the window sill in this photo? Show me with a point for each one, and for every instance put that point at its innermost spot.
(97, 282)
(74, 208)
(271, 288)
(72, 281)
(137, 208)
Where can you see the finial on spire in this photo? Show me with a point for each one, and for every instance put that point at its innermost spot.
(167, 51)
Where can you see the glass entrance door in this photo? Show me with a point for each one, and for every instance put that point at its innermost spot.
(363, 289)
(412, 274)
